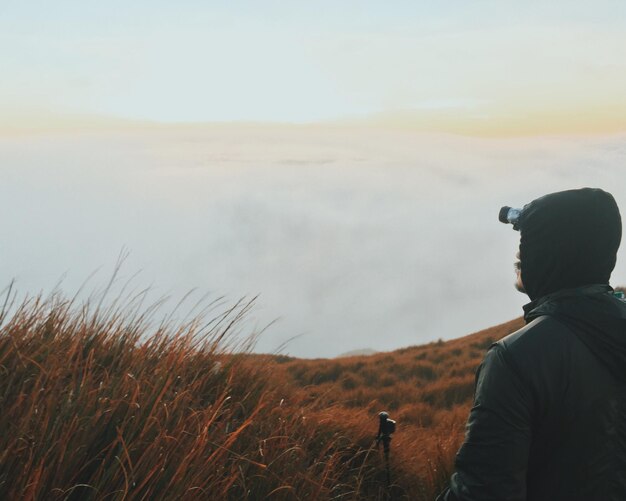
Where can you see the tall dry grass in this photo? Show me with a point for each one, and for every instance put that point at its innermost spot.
(108, 403)
(102, 403)
(428, 389)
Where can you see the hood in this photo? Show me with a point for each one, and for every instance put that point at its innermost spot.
(568, 239)
(595, 315)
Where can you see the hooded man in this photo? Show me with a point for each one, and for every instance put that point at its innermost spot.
(549, 414)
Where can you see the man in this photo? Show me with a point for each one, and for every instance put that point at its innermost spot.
(549, 414)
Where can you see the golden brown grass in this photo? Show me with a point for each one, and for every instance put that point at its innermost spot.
(428, 389)
(107, 404)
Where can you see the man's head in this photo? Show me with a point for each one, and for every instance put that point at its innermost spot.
(567, 239)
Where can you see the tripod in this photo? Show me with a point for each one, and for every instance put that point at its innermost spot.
(386, 427)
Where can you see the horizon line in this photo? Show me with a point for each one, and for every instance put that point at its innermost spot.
(523, 123)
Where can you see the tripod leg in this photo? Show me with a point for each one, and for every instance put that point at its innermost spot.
(388, 468)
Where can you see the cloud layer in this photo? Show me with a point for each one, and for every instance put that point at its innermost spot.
(353, 237)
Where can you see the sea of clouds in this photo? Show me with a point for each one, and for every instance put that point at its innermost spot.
(353, 237)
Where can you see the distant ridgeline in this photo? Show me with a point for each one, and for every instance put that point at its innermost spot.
(355, 353)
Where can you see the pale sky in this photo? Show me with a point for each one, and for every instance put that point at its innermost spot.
(346, 232)
(455, 65)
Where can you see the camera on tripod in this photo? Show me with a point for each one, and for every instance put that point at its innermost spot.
(385, 428)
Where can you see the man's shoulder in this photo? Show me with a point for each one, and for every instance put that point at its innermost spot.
(542, 335)
(536, 351)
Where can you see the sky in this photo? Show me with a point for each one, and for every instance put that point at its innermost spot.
(454, 66)
(343, 159)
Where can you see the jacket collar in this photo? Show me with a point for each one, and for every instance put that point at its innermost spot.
(542, 305)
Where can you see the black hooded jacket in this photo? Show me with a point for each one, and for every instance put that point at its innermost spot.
(549, 414)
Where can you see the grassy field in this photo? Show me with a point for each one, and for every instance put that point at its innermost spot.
(109, 404)
(427, 389)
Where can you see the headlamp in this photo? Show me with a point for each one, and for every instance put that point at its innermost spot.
(508, 215)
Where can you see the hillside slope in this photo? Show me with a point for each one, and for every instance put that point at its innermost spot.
(101, 404)
(427, 389)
